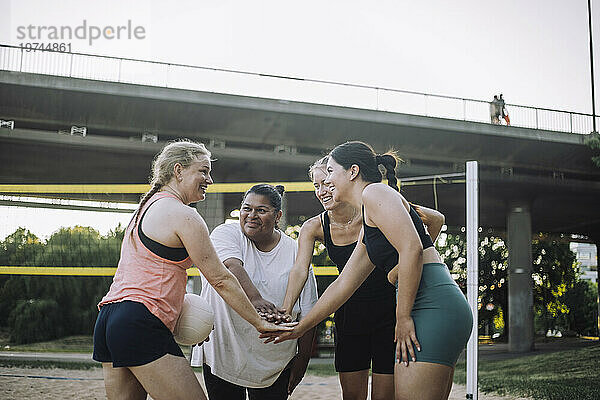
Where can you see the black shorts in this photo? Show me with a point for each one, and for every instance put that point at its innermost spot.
(364, 336)
(129, 335)
(220, 389)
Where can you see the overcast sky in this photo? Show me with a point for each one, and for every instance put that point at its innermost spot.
(536, 52)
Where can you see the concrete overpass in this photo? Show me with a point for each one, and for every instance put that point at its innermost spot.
(530, 180)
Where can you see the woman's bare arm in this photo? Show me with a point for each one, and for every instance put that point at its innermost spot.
(309, 233)
(355, 272)
(388, 210)
(433, 219)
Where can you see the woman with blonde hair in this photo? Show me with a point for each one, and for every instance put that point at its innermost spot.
(133, 334)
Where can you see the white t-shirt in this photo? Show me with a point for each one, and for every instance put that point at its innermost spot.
(234, 352)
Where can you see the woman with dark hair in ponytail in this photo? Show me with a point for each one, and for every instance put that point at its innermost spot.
(364, 325)
(433, 319)
(133, 336)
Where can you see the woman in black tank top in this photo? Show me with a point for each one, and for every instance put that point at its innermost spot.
(364, 325)
(433, 319)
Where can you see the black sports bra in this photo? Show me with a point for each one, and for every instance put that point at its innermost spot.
(375, 287)
(380, 250)
(169, 253)
(338, 254)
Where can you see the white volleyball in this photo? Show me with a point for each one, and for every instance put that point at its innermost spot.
(195, 321)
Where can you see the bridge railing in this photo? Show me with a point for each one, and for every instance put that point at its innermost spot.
(217, 80)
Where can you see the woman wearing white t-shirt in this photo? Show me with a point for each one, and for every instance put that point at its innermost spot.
(261, 257)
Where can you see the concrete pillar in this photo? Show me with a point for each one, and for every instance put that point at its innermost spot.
(520, 282)
(212, 209)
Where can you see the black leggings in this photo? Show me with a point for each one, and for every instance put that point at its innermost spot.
(219, 389)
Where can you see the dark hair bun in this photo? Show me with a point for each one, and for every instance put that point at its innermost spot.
(387, 160)
(280, 189)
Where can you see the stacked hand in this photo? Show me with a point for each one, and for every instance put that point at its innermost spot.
(282, 336)
(269, 312)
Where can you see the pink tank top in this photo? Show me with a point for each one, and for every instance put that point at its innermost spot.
(147, 278)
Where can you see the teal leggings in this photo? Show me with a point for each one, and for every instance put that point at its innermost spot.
(442, 317)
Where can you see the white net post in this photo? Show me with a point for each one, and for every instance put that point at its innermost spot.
(472, 273)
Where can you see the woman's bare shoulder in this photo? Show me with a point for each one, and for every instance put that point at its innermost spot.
(312, 228)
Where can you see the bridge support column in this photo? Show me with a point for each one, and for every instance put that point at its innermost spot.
(212, 209)
(520, 283)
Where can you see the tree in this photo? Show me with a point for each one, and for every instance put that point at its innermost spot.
(17, 249)
(593, 141)
(554, 273)
(493, 259)
(21, 296)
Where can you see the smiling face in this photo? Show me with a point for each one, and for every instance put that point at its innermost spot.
(195, 179)
(258, 218)
(322, 191)
(338, 179)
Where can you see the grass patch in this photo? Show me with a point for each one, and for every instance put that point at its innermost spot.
(571, 374)
(321, 369)
(69, 344)
(48, 364)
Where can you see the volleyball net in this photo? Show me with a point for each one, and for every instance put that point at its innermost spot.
(76, 229)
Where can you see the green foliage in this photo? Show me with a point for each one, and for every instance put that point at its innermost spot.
(493, 262)
(554, 272)
(76, 296)
(20, 248)
(593, 141)
(35, 320)
(583, 311)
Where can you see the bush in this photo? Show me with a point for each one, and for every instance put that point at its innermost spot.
(582, 302)
(35, 321)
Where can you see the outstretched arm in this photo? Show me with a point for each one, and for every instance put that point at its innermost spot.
(355, 272)
(265, 308)
(309, 233)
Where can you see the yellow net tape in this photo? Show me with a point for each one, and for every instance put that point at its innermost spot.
(139, 188)
(110, 271)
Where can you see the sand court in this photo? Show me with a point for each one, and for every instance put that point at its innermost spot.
(62, 384)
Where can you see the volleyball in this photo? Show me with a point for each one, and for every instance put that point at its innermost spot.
(195, 321)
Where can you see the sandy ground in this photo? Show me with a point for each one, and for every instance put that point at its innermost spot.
(61, 384)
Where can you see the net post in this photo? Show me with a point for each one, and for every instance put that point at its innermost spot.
(472, 194)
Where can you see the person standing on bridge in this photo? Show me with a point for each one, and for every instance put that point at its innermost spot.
(351, 181)
(133, 336)
(495, 110)
(504, 112)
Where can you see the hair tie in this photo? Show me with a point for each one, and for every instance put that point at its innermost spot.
(379, 159)
(280, 189)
